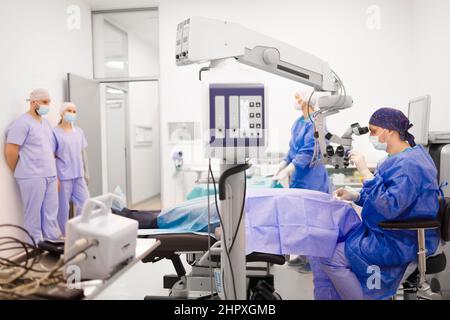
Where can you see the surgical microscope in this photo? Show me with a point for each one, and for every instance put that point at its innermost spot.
(237, 120)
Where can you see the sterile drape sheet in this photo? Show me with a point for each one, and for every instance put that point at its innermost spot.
(278, 221)
(296, 221)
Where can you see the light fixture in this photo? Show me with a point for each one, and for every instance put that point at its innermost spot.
(114, 91)
(115, 64)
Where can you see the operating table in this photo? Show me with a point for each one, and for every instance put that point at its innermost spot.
(198, 283)
(278, 222)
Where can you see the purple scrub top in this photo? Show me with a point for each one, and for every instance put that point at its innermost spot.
(37, 147)
(69, 148)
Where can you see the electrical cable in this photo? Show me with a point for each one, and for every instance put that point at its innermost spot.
(242, 212)
(22, 286)
(22, 229)
(224, 239)
(223, 229)
(24, 245)
(342, 97)
(341, 85)
(316, 146)
(309, 103)
(31, 288)
(222, 193)
(7, 293)
(209, 233)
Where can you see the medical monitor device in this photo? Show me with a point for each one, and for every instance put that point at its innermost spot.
(419, 116)
(236, 121)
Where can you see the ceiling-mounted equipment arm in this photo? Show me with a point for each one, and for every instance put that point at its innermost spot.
(203, 40)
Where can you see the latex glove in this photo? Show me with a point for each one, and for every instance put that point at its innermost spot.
(218, 233)
(344, 194)
(283, 164)
(285, 173)
(360, 162)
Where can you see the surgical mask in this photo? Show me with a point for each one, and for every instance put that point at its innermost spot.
(297, 105)
(70, 117)
(382, 146)
(43, 109)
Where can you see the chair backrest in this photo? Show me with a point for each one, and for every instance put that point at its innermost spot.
(444, 218)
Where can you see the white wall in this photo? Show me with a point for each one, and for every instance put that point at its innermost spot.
(144, 111)
(145, 166)
(143, 58)
(37, 51)
(375, 65)
(431, 58)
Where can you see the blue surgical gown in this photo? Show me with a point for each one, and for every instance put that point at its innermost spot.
(405, 187)
(301, 150)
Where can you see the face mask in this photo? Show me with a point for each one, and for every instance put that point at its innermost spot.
(382, 146)
(70, 117)
(297, 105)
(43, 109)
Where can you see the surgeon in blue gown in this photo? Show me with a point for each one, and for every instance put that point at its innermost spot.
(297, 163)
(403, 187)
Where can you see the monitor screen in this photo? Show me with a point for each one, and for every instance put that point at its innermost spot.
(419, 116)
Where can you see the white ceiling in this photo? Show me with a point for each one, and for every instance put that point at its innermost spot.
(121, 4)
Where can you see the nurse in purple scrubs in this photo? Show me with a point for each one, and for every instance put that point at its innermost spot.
(71, 164)
(29, 151)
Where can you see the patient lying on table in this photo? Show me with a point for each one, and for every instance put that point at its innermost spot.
(278, 221)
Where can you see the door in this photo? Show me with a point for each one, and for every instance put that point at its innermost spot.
(85, 93)
(116, 142)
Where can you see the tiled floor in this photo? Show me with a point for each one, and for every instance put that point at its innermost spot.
(146, 279)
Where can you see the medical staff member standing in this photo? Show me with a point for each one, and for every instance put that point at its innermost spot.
(71, 164)
(404, 187)
(297, 163)
(29, 153)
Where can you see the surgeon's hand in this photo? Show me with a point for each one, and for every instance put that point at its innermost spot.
(285, 173)
(283, 164)
(360, 162)
(344, 194)
(87, 179)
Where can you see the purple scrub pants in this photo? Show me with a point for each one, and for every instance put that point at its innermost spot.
(74, 190)
(40, 204)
